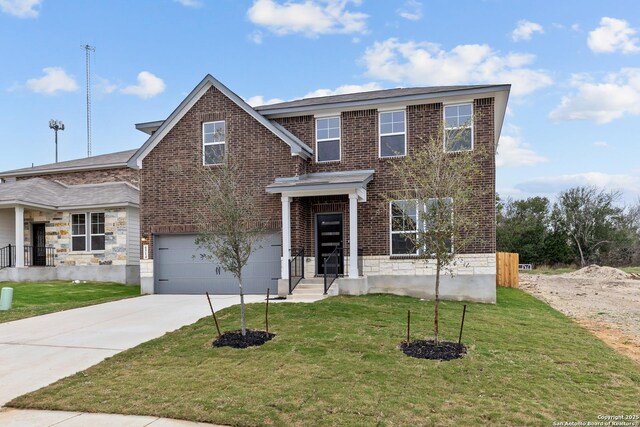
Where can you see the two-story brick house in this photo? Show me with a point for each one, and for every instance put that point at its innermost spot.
(321, 171)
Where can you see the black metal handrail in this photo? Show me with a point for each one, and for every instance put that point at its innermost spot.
(296, 270)
(39, 256)
(7, 256)
(331, 268)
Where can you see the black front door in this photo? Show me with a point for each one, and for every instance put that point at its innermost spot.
(39, 253)
(329, 236)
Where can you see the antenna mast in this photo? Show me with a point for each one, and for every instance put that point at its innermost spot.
(88, 49)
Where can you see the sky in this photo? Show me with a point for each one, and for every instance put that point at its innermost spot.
(573, 116)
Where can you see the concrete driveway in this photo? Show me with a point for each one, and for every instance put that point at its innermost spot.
(40, 350)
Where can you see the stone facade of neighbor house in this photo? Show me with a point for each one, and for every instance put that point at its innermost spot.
(275, 147)
(99, 193)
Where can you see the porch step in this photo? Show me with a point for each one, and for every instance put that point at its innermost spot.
(307, 287)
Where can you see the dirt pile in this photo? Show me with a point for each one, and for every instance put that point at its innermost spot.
(599, 273)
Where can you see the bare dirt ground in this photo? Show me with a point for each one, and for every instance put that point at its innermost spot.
(605, 300)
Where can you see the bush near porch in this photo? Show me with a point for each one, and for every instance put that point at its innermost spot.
(337, 362)
(36, 298)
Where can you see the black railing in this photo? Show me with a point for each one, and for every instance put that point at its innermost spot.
(39, 256)
(7, 256)
(296, 270)
(331, 268)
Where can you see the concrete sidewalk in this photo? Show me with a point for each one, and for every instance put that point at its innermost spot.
(33, 418)
(40, 350)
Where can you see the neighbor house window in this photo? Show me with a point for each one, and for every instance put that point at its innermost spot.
(458, 127)
(404, 227)
(393, 134)
(213, 138)
(87, 239)
(328, 139)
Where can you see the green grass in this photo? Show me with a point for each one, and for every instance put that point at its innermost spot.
(36, 298)
(336, 362)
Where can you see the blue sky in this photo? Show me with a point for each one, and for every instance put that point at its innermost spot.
(573, 114)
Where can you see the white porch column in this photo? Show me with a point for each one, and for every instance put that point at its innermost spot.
(286, 237)
(353, 236)
(19, 236)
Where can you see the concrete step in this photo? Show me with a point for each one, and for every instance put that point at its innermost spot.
(312, 280)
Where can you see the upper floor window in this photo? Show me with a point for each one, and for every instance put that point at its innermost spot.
(458, 127)
(393, 135)
(87, 239)
(213, 138)
(328, 139)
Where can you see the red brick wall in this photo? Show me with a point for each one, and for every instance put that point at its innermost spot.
(123, 174)
(166, 198)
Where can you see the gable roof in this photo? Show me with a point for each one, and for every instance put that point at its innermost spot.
(103, 161)
(42, 193)
(375, 97)
(297, 146)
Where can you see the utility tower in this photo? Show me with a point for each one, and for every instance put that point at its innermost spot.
(56, 125)
(88, 49)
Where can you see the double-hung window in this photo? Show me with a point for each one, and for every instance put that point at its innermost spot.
(328, 139)
(404, 227)
(213, 141)
(87, 238)
(393, 134)
(458, 127)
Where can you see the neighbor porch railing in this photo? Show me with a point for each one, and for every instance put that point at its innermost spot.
(39, 256)
(332, 268)
(7, 257)
(296, 270)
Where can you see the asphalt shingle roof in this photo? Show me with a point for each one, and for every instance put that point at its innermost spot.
(55, 195)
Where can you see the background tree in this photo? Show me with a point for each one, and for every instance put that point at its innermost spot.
(523, 226)
(228, 230)
(438, 198)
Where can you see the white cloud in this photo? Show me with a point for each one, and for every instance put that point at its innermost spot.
(552, 184)
(425, 63)
(55, 80)
(149, 85)
(600, 144)
(21, 8)
(308, 17)
(616, 96)
(512, 152)
(344, 89)
(613, 35)
(412, 10)
(190, 3)
(257, 100)
(525, 30)
(103, 85)
(256, 37)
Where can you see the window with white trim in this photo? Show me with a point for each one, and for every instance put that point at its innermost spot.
(213, 141)
(404, 227)
(458, 127)
(89, 239)
(328, 139)
(393, 135)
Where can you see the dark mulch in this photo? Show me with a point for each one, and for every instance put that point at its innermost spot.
(236, 340)
(423, 349)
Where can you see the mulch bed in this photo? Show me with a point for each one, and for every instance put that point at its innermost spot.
(423, 349)
(236, 340)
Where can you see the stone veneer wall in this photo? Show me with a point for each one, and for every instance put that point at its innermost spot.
(58, 235)
(466, 264)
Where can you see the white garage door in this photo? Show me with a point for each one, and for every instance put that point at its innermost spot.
(179, 269)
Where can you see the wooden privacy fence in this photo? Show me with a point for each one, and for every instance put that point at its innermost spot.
(507, 269)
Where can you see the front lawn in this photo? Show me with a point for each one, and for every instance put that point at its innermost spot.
(337, 362)
(35, 298)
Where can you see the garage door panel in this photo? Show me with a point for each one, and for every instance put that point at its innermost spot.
(180, 269)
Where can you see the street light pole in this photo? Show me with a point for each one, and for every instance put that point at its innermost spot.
(56, 125)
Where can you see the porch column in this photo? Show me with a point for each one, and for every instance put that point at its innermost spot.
(286, 236)
(353, 236)
(19, 236)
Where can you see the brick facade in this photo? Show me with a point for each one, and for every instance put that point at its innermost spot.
(98, 176)
(166, 196)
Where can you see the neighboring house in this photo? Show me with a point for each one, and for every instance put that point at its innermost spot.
(320, 168)
(73, 220)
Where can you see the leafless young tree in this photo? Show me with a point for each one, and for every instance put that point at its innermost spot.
(438, 199)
